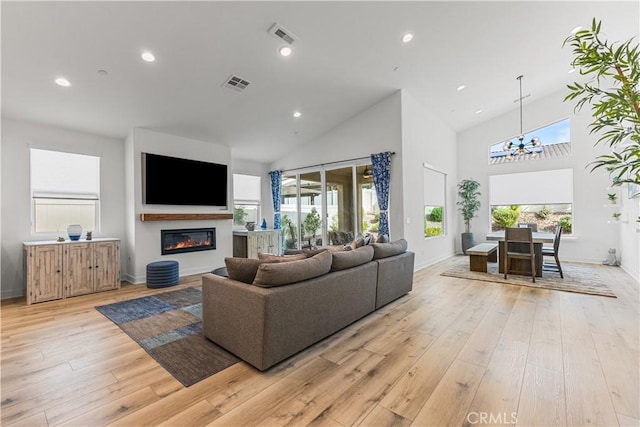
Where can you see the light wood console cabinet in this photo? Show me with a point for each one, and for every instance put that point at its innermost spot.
(247, 244)
(61, 270)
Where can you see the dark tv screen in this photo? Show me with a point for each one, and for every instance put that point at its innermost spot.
(175, 181)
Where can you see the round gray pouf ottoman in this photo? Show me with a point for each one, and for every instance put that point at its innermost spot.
(162, 274)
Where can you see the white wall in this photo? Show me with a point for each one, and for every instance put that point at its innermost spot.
(592, 235)
(17, 138)
(427, 140)
(145, 240)
(374, 130)
(629, 234)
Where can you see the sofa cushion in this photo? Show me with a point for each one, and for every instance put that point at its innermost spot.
(278, 274)
(347, 259)
(243, 269)
(385, 250)
(277, 258)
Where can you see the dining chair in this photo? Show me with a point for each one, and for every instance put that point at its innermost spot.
(554, 253)
(532, 225)
(518, 243)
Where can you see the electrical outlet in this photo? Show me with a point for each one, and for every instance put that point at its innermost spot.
(408, 220)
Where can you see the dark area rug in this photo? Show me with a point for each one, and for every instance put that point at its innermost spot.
(169, 327)
(578, 277)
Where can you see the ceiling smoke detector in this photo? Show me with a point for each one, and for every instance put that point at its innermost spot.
(279, 32)
(235, 83)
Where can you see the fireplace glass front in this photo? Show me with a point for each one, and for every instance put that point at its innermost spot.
(187, 240)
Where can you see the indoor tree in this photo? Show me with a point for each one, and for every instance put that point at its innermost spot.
(614, 97)
(468, 205)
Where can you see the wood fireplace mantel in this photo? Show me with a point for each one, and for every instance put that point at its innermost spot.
(183, 216)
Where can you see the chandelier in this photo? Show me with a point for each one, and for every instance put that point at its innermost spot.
(521, 147)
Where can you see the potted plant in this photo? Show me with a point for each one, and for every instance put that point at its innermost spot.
(468, 205)
(612, 198)
(616, 215)
(612, 92)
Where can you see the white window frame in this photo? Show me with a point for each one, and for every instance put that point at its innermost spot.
(56, 178)
(248, 199)
(435, 199)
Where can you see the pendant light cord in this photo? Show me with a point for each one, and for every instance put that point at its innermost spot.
(520, 79)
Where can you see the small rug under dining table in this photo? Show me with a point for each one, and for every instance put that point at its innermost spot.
(578, 277)
(169, 327)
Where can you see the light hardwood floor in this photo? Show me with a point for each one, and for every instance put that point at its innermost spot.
(452, 352)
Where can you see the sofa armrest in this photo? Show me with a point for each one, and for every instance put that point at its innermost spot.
(395, 277)
(233, 316)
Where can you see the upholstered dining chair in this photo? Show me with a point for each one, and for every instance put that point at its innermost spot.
(532, 225)
(518, 244)
(553, 252)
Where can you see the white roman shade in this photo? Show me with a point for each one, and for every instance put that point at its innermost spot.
(246, 188)
(434, 187)
(532, 188)
(58, 175)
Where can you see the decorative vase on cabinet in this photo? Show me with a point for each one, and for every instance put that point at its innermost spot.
(74, 231)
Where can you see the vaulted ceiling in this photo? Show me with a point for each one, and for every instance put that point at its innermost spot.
(346, 57)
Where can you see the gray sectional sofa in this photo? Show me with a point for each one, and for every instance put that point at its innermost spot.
(291, 305)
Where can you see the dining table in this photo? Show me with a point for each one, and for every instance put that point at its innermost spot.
(522, 266)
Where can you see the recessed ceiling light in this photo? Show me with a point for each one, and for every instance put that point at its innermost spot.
(407, 38)
(285, 51)
(576, 29)
(148, 56)
(478, 111)
(61, 81)
(297, 114)
(459, 88)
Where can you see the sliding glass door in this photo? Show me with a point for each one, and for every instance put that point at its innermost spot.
(341, 213)
(328, 206)
(289, 210)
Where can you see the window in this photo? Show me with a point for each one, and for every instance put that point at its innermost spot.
(246, 195)
(543, 198)
(435, 184)
(65, 190)
(555, 139)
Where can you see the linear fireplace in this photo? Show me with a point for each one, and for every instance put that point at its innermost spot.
(187, 240)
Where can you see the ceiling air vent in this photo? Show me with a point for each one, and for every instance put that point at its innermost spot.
(235, 83)
(279, 32)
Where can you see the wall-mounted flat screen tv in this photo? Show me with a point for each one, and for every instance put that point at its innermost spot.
(175, 181)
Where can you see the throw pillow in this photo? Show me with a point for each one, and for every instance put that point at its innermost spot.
(242, 269)
(307, 252)
(357, 242)
(343, 260)
(277, 258)
(278, 274)
(385, 250)
(383, 238)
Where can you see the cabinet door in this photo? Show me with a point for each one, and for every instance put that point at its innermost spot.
(263, 242)
(275, 242)
(78, 269)
(44, 273)
(106, 268)
(252, 244)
